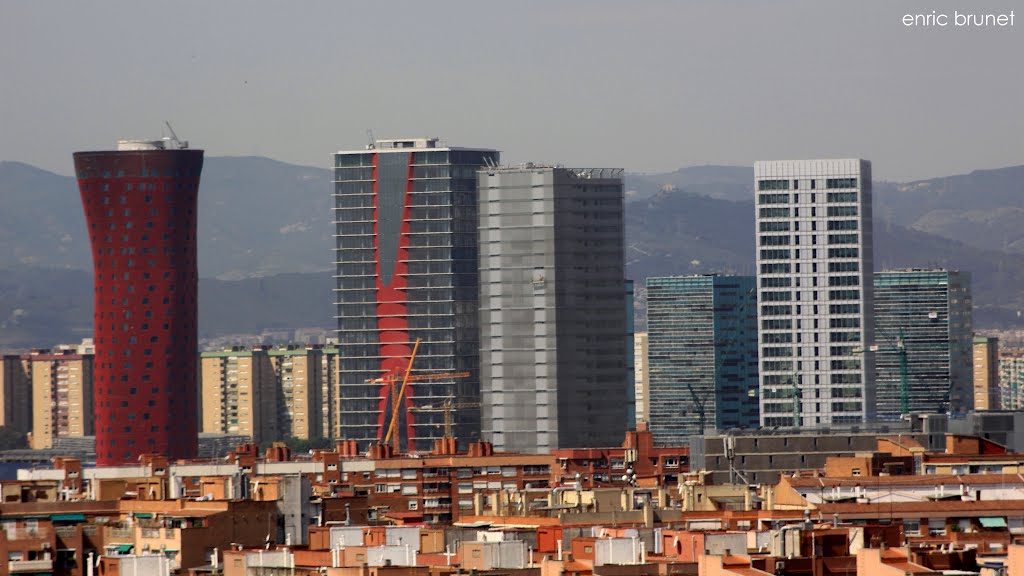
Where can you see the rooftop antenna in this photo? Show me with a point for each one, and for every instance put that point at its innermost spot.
(371, 141)
(174, 137)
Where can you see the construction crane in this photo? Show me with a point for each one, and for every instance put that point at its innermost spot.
(448, 407)
(899, 345)
(396, 393)
(699, 405)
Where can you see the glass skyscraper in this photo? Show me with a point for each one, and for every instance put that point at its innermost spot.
(931, 311)
(701, 355)
(406, 269)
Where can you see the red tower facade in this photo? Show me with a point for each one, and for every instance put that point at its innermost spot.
(140, 206)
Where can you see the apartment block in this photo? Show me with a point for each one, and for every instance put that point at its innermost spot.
(702, 355)
(265, 393)
(814, 273)
(440, 488)
(986, 373)
(1011, 378)
(62, 393)
(298, 377)
(927, 313)
(237, 393)
(330, 395)
(553, 334)
(641, 376)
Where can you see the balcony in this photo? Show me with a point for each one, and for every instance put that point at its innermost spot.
(26, 533)
(29, 566)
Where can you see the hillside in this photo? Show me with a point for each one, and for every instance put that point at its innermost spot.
(984, 208)
(265, 232)
(42, 307)
(256, 217)
(680, 233)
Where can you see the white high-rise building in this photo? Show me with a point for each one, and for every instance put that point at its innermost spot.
(814, 291)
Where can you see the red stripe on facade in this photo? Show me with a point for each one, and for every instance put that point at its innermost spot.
(392, 322)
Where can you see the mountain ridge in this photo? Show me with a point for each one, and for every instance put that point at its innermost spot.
(266, 238)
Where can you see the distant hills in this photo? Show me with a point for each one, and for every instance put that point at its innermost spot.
(257, 217)
(984, 209)
(265, 239)
(41, 307)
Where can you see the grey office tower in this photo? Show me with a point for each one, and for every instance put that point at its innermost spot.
(552, 305)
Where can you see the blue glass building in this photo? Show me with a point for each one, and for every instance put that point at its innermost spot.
(702, 355)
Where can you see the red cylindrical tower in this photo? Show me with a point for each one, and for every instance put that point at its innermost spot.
(140, 210)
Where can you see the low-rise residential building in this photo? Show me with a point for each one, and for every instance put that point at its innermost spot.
(638, 461)
(762, 456)
(441, 487)
(900, 505)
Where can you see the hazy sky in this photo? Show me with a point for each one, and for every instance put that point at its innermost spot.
(645, 85)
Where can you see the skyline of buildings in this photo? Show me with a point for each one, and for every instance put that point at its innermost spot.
(401, 245)
(552, 299)
(140, 204)
(815, 308)
(702, 358)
